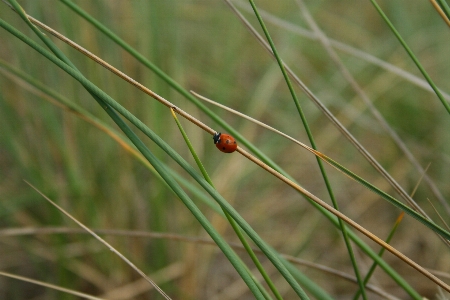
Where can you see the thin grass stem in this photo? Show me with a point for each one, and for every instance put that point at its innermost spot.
(177, 87)
(232, 222)
(122, 257)
(443, 10)
(50, 286)
(411, 55)
(378, 167)
(313, 145)
(320, 155)
(100, 97)
(206, 128)
(72, 75)
(323, 39)
(345, 48)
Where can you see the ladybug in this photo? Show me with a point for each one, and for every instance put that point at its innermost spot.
(225, 142)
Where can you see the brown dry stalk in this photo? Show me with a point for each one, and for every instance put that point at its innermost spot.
(49, 285)
(440, 12)
(244, 153)
(13, 232)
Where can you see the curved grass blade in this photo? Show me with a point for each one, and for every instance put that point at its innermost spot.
(265, 248)
(51, 286)
(100, 97)
(268, 251)
(60, 101)
(126, 260)
(380, 254)
(443, 9)
(313, 145)
(332, 118)
(329, 215)
(229, 218)
(170, 81)
(411, 54)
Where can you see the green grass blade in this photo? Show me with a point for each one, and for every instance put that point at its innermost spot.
(380, 254)
(233, 224)
(445, 7)
(433, 226)
(177, 87)
(226, 249)
(268, 251)
(236, 134)
(333, 220)
(332, 118)
(171, 82)
(62, 101)
(411, 54)
(41, 35)
(365, 248)
(317, 292)
(342, 226)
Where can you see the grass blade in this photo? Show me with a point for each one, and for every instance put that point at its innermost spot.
(313, 145)
(380, 254)
(51, 286)
(100, 96)
(411, 54)
(169, 81)
(233, 224)
(126, 260)
(161, 143)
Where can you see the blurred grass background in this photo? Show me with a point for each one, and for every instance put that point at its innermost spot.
(203, 46)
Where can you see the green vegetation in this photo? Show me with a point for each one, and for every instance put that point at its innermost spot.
(127, 169)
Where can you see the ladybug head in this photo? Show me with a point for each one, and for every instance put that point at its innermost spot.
(216, 137)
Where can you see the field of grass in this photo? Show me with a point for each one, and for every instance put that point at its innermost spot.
(356, 77)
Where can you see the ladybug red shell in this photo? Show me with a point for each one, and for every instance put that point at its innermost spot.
(225, 142)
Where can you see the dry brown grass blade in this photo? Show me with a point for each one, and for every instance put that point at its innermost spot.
(131, 290)
(345, 48)
(440, 12)
(347, 220)
(375, 112)
(122, 75)
(50, 286)
(254, 159)
(126, 260)
(438, 214)
(11, 232)
(315, 152)
(323, 39)
(326, 112)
